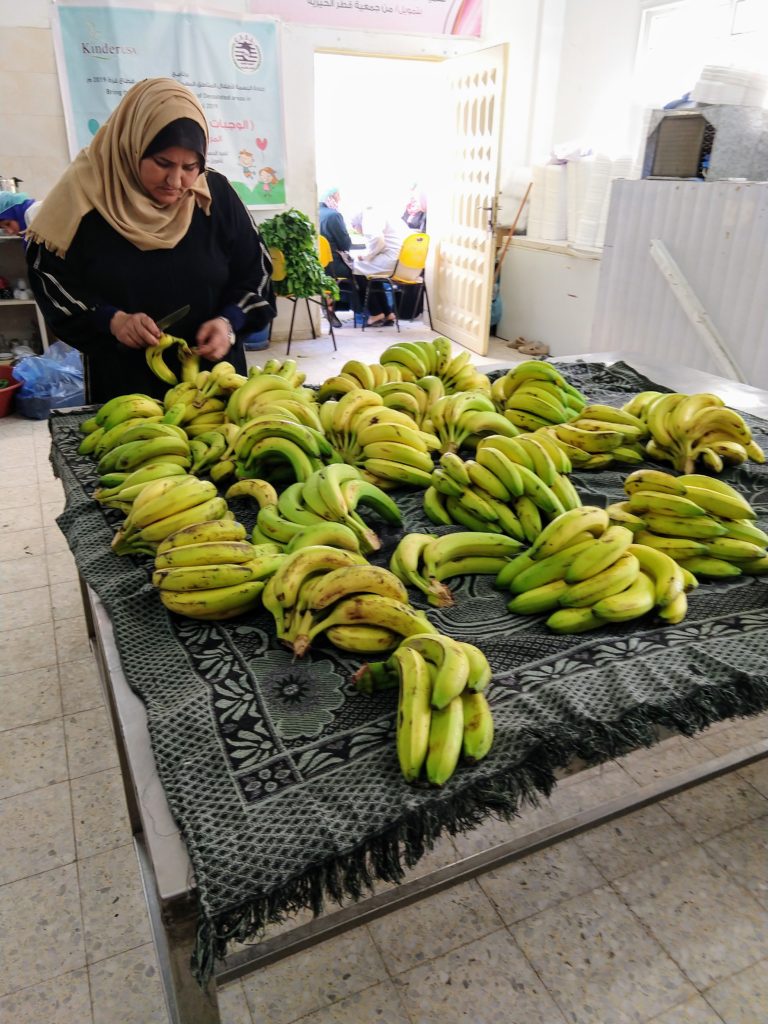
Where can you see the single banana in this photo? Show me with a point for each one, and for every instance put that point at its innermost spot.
(708, 566)
(211, 552)
(667, 576)
(356, 579)
(602, 554)
(373, 610)
(560, 532)
(210, 531)
(664, 504)
(305, 563)
(214, 605)
(446, 736)
(631, 603)
(612, 580)
(545, 570)
(414, 714)
(363, 639)
(201, 577)
(262, 492)
(573, 620)
(334, 535)
(537, 600)
(450, 662)
(478, 727)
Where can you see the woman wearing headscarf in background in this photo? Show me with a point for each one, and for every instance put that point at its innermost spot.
(14, 212)
(415, 215)
(384, 237)
(135, 229)
(334, 228)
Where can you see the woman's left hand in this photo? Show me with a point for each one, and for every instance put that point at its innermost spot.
(214, 339)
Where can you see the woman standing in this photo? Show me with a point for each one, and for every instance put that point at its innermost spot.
(136, 228)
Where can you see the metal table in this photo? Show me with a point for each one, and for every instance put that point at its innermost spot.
(165, 867)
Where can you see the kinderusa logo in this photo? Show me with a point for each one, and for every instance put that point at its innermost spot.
(245, 52)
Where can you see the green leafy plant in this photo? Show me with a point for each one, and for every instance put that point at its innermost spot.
(294, 235)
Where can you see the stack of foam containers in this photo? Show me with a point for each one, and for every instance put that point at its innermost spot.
(730, 85)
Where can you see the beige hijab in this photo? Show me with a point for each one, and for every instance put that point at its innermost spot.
(105, 175)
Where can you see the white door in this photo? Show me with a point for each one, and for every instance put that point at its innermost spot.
(463, 219)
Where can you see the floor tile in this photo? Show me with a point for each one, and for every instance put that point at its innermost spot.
(25, 544)
(90, 744)
(61, 567)
(35, 832)
(80, 685)
(127, 988)
(743, 852)
(488, 981)
(630, 842)
(22, 650)
(742, 998)
(51, 492)
(31, 757)
(693, 1011)
(29, 697)
(329, 972)
(55, 541)
(40, 928)
(432, 927)
(527, 886)
(740, 734)
(716, 806)
(15, 455)
(15, 520)
(233, 1006)
(377, 1003)
(707, 923)
(599, 963)
(28, 572)
(667, 758)
(757, 775)
(25, 608)
(99, 812)
(21, 496)
(66, 600)
(18, 476)
(72, 642)
(114, 911)
(62, 1000)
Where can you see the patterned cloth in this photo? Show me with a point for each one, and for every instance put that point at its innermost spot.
(284, 780)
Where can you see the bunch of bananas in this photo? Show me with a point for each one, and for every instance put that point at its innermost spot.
(687, 428)
(356, 374)
(272, 446)
(513, 485)
(164, 506)
(287, 368)
(386, 443)
(208, 451)
(701, 522)
(142, 444)
(442, 712)
(210, 571)
(325, 508)
(359, 607)
(424, 561)
(419, 359)
(155, 356)
(187, 406)
(461, 419)
(133, 408)
(262, 391)
(120, 489)
(414, 398)
(534, 394)
(600, 435)
(585, 572)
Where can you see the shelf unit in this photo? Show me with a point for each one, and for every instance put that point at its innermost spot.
(20, 319)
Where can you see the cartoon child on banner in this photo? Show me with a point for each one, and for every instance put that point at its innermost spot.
(268, 177)
(245, 159)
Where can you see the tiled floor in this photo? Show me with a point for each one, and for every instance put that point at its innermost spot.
(661, 916)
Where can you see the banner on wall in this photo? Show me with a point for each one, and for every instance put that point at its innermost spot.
(427, 17)
(230, 63)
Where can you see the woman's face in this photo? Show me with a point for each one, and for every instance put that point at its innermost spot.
(167, 175)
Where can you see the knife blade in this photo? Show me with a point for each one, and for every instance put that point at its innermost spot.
(172, 318)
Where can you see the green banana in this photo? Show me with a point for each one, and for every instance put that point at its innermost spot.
(214, 530)
(609, 581)
(446, 736)
(214, 605)
(560, 532)
(600, 555)
(450, 661)
(478, 727)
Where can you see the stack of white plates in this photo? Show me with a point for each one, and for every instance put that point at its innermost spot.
(731, 86)
(554, 220)
(536, 206)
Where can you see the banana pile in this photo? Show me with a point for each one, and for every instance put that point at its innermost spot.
(462, 418)
(123, 411)
(534, 394)
(600, 435)
(273, 445)
(699, 521)
(355, 375)
(424, 561)
(514, 485)
(386, 443)
(442, 712)
(164, 506)
(359, 607)
(210, 571)
(585, 572)
(119, 490)
(324, 508)
(686, 429)
(262, 391)
(417, 359)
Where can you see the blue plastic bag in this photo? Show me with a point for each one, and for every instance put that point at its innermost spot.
(53, 380)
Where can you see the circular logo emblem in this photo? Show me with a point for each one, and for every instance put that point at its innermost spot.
(245, 52)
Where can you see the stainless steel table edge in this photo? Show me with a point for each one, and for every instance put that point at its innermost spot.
(166, 871)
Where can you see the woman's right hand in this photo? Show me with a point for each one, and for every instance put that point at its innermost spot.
(135, 330)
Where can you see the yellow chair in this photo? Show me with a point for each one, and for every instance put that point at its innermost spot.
(346, 282)
(408, 273)
(279, 273)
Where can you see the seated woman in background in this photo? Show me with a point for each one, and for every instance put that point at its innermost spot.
(384, 236)
(16, 212)
(137, 228)
(334, 228)
(415, 215)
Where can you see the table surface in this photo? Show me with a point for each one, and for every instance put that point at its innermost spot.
(165, 845)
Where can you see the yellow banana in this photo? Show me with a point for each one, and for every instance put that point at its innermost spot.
(213, 530)
(667, 576)
(356, 579)
(363, 639)
(221, 552)
(613, 580)
(478, 727)
(214, 605)
(450, 661)
(602, 554)
(446, 736)
(573, 620)
(414, 713)
(560, 532)
(631, 603)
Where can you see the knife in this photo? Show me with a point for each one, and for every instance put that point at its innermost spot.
(172, 318)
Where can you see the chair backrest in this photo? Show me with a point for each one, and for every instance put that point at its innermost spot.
(413, 256)
(324, 251)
